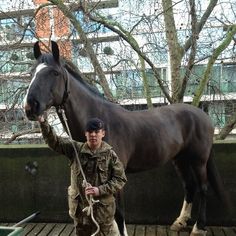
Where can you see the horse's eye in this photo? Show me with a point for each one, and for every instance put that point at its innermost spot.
(55, 73)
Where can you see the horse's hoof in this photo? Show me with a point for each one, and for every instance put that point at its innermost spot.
(202, 233)
(178, 225)
(198, 232)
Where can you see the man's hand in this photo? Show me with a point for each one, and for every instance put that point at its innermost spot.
(41, 119)
(90, 190)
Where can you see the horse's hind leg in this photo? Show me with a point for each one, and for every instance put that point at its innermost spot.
(119, 214)
(185, 171)
(201, 175)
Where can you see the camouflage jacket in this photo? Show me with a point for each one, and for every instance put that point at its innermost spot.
(102, 169)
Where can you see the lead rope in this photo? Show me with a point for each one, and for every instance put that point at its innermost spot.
(90, 200)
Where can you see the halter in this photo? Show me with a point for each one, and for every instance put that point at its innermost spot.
(66, 91)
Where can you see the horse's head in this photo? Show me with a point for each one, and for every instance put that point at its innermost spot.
(48, 85)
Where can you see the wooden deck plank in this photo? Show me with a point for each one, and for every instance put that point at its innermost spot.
(36, 229)
(47, 229)
(229, 231)
(130, 229)
(217, 231)
(161, 230)
(151, 230)
(185, 232)
(63, 229)
(140, 230)
(57, 230)
(172, 233)
(28, 228)
(67, 231)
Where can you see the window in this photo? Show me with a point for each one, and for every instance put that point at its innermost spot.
(194, 79)
(222, 79)
(88, 26)
(13, 29)
(16, 61)
(229, 78)
(12, 91)
(129, 84)
(217, 113)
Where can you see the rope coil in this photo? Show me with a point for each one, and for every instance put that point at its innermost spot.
(90, 200)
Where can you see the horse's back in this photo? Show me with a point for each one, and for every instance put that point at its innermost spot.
(179, 123)
(196, 127)
(188, 115)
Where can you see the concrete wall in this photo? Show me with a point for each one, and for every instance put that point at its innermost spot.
(22, 193)
(152, 197)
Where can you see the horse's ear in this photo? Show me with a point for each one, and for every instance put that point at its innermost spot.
(55, 51)
(37, 51)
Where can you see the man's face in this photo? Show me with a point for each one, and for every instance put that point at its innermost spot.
(94, 138)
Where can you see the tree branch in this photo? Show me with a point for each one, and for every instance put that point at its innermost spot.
(193, 49)
(200, 25)
(89, 49)
(24, 132)
(215, 54)
(125, 35)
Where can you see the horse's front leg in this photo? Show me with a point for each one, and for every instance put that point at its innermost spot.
(182, 219)
(185, 171)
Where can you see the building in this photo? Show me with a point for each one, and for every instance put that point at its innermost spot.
(19, 30)
(126, 84)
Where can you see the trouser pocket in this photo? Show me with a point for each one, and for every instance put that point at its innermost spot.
(73, 202)
(104, 212)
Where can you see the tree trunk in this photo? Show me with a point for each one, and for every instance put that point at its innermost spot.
(175, 50)
(88, 46)
(227, 128)
(145, 83)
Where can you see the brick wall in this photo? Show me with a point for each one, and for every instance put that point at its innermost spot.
(51, 23)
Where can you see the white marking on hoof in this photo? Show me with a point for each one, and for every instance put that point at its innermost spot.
(185, 215)
(125, 230)
(198, 232)
(178, 225)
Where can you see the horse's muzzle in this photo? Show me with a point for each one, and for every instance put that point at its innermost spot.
(30, 115)
(32, 110)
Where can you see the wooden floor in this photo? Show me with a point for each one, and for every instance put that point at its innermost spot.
(55, 229)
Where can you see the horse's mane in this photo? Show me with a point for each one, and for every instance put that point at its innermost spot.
(73, 70)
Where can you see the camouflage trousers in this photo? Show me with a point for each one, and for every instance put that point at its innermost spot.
(88, 230)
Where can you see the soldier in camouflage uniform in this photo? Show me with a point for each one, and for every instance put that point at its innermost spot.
(103, 170)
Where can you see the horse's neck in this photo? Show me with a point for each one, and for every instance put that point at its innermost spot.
(81, 105)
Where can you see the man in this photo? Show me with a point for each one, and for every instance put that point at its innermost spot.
(103, 170)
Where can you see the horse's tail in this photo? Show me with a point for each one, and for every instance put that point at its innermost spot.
(216, 182)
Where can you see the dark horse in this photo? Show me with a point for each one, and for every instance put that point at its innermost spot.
(142, 139)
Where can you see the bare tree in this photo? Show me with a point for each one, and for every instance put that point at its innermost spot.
(186, 38)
